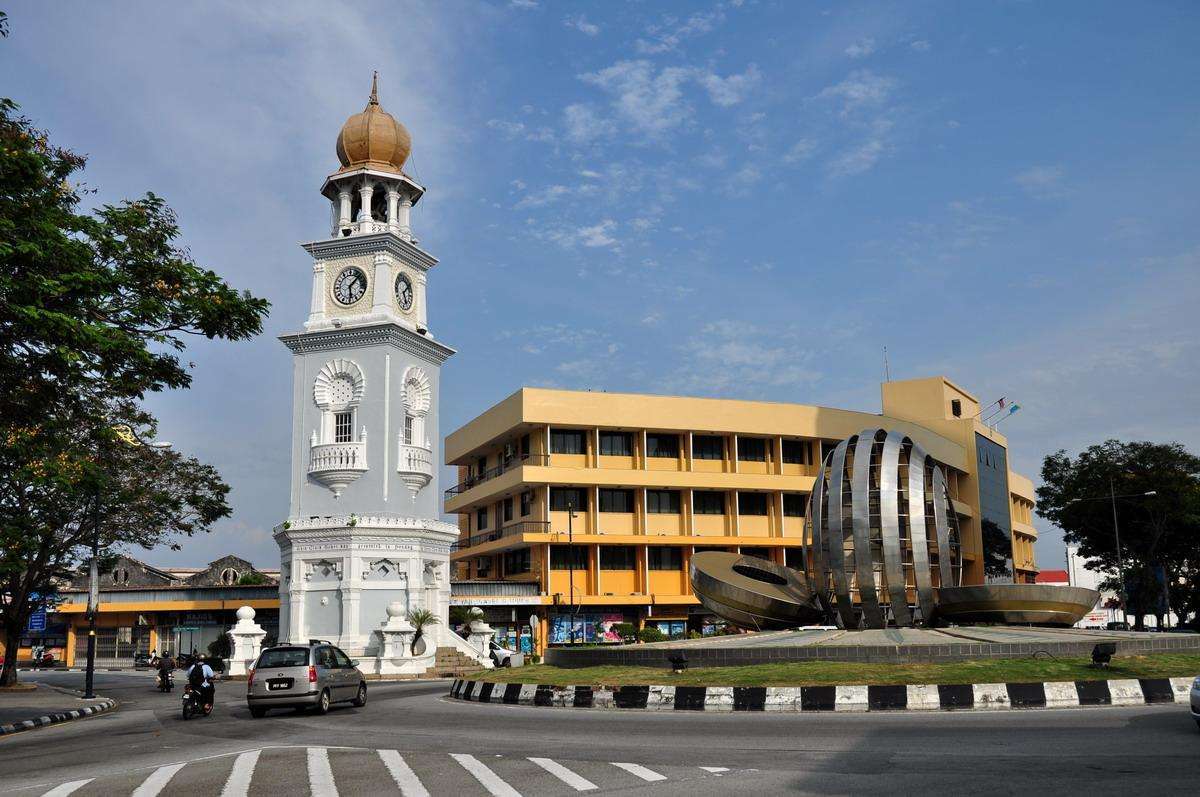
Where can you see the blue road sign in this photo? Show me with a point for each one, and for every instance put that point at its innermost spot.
(37, 620)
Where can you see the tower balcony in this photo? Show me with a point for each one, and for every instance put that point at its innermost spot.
(415, 465)
(335, 465)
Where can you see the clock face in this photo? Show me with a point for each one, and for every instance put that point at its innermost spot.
(350, 286)
(404, 292)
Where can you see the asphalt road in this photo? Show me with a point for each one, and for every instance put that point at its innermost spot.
(410, 735)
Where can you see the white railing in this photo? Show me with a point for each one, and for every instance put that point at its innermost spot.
(337, 464)
(415, 466)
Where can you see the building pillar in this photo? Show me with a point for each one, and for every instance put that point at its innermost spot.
(382, 290)
(343, 205)
(365, 193)
(393, 200)
(403, 217)
(316, 307)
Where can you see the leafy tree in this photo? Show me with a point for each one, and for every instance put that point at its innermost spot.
(95, 308)
(1160, 534)
(253, 579)
(420, 619)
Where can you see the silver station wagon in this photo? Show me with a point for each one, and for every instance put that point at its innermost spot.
(314, 676)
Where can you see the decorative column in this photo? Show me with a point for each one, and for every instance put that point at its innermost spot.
(316, 307)
(349, 589)
(403, 218)
(297, 630)
(397, 634)
(480, 633)
(393, 201)
(343, 205)
(245, 642)
(365, 193)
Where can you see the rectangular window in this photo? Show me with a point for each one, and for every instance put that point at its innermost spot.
(752, 503)
(524, 445)
(564, 498)
(516, 562)
(616, 500)
(662, 445)
(794, 557)
(616, 444)
(795, 452)
(560, 557)
(752, 449)
(567, 441)
(662, 502)
(708, 446)
(480, 465)
(526, 503)
(757, 553)
(793, 504)
(408, 431)
(706, 502)
(667, 557)
(508, 509)
(481, 518)
(343, 427)
(618, 557)
(483, 567)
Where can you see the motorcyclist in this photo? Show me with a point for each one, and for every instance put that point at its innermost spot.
(166, 665)
(200, 676)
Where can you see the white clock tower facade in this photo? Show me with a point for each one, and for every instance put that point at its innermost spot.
(363, 547)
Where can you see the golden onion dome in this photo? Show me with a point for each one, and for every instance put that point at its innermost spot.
(373, 138)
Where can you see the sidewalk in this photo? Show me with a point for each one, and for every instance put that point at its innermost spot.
(45, 705)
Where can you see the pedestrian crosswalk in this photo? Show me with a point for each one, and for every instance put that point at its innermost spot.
(334, 771)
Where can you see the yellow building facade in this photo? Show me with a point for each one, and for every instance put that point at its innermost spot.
(595, 502)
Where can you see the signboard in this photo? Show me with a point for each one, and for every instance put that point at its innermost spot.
(37, 620)
(475, 600)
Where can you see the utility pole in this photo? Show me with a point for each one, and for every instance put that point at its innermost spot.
(93, 598)
(571, 563)
(1112, 494)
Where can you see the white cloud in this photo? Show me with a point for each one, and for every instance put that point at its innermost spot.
(1043, 182)
(862, 88)
(524, 5)
(863, 156)
(581, 24)
(730, 90)
(668, 36)
(802, 150)
(744, 179)
(647, 99)
(509, 129)
(546, 196)
(861, 48)
(598, 234)
(584, 124)
(920, 46)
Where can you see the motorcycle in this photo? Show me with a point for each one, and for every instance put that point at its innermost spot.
(193, 703)
(166, 682)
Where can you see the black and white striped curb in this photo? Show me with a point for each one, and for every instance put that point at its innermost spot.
(911, 697)
(106, 704)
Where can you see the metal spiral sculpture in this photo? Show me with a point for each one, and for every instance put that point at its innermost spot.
(880, 524)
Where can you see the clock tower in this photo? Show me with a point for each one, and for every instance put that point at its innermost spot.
(363, 545)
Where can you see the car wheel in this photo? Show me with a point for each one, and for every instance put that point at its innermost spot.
(258, 712)
(507, 663)
(361, 699)
(322, 706)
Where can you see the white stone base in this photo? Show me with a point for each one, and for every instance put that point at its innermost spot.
(416, 665)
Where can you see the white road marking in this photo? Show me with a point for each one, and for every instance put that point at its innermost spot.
(239, 777)
(715, 770)
(406, 779)
(67, 788)
(152, 785)
(640, 771)
(320, 776)
(576, 782)
(488, 779)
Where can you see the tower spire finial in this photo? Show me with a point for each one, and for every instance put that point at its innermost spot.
(374, 88)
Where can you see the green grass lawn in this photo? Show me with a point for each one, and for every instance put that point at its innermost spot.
(816, 673)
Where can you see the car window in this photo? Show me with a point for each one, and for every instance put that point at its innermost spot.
(342, 659)
(324, 657)
(284, 657)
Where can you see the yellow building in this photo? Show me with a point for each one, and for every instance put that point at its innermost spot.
(595, 502)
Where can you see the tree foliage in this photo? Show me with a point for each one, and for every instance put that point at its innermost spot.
(95, 310)
(997, 549)
(1160, 534)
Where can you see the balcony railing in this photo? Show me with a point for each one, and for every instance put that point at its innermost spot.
(522, 527)
(493, 472)
(415, 466)
(337, 464)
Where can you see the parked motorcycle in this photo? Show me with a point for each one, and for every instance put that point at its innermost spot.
(193, 703)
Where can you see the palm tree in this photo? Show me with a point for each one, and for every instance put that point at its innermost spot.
(420, 619)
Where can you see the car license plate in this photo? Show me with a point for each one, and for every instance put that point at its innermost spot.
(279, 683)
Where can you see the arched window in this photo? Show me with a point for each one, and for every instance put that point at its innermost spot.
(338, 390)
(230, 576)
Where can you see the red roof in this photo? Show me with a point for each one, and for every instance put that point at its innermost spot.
(1052, 577)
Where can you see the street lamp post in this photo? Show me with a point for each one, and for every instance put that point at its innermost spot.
(571, 563)
(1112, 498)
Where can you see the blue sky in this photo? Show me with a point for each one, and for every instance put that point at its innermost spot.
(730, 199)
